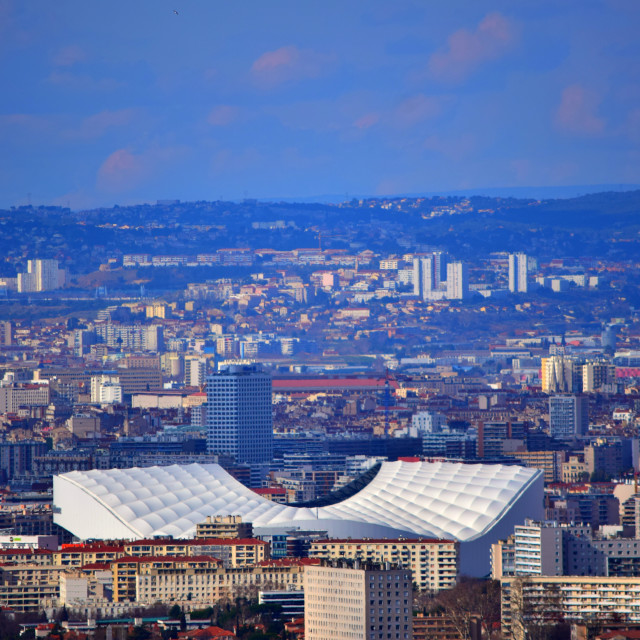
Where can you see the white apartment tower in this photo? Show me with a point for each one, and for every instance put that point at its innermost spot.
(349, 601)
(440, 262)
(239, 420)
(423, 277)
(195, 372)
(518, 272)
(41, 275)
(457, 281)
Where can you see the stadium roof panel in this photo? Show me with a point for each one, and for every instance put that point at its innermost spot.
(464, 502)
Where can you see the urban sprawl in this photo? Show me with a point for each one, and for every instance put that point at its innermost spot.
(403, 428)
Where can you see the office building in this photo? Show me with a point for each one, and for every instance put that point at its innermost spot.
(239, 414)
(353, 600)
(568, 416)
(457, 281)
(518, 272)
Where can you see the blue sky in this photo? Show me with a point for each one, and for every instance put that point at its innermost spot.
(127, 101)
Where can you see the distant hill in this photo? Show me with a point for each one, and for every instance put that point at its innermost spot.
(537, 193)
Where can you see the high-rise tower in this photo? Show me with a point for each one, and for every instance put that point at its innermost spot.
(518, 272)
(239, 421)
(423, 277)
(457, 281)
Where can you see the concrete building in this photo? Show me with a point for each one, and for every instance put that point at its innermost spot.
(195, 372)
(536, 601)
(41, 275)
(224, 527)
(353, 600)
(518, 273)
(14, 396)
(239, 414)
(433, 563)
(457, 281)
(440, 262)
(424, 277)
(568, 416)
(595, 375)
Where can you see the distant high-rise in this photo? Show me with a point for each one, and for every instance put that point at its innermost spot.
(357, 601)
(195, 371)
(239, 421)
(41, 275)
(457, 281)
(440, 262)
(423, 277)
(568, 416)
(518, 272)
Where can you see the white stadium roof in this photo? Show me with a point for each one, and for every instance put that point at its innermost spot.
(465, 502)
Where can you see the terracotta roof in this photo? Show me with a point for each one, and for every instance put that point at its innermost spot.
(196, 542)
(141, 559)
(385, 541)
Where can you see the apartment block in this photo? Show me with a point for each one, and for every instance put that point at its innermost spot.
(434, 563)
(224, 527)
(345, 601)
(536, 601)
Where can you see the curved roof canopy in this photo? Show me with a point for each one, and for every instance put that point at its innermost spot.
(435, 500)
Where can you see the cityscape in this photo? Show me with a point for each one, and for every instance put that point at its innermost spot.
(408, 409)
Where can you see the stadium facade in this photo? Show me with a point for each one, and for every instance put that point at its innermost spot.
(473, 503)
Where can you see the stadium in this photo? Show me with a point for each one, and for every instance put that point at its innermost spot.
(473, 503)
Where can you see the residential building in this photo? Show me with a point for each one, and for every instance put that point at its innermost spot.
(536, 601)
(457, 281)
(195, 372)
(597, 374)
(433, 562)
(423, 277)
(41, 275)
(518, 272)
(353, 600)
(568, 416)
(224, 527)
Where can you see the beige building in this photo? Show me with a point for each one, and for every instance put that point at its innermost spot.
(238, 552)
(357, 602)
(14, 396)
(534, 602)
(29, 587)
(433, 563)
(197, 579)
(574, 470)
(550, 462)
(224, 527)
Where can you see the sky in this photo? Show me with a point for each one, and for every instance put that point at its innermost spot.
(132, 101)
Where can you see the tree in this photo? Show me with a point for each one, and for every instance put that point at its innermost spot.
(174, 612)
(471, 598)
